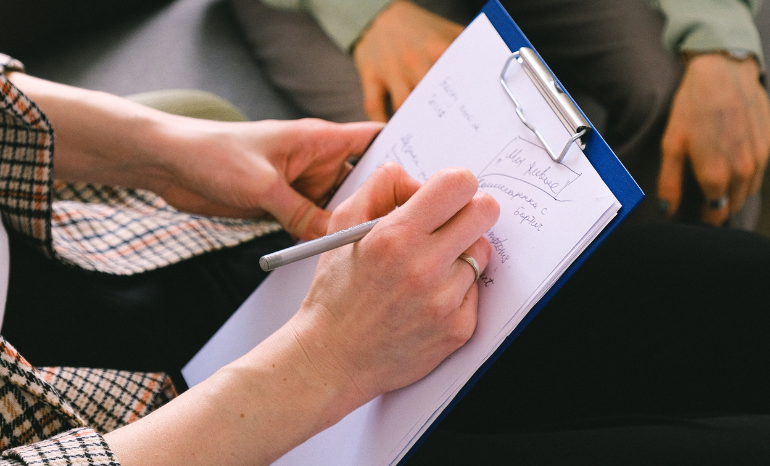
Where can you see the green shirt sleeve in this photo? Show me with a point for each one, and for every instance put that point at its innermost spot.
(691, 25)
(342, 20)
(704, 25)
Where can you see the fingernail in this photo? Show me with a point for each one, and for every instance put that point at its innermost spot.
(663, 206)
(320, 229)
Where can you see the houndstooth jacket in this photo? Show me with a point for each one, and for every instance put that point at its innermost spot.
(57, 415)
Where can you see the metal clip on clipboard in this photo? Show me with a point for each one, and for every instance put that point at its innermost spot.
(564, 108)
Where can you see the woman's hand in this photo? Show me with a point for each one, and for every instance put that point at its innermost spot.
(285, 169)
(279, 168)
(396, 51)
(384, 312)
(720, 123)
(380, 314)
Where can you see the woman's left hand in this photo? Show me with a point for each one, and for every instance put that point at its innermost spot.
(251, 169)
(285, 169)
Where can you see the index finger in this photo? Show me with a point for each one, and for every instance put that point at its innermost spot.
(388, 187)
(441, 197)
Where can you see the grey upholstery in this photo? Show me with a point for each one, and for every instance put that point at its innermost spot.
(189, 44)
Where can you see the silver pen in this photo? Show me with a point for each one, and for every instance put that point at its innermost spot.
(317, 246)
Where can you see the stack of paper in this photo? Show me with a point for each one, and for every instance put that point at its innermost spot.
(458, 115)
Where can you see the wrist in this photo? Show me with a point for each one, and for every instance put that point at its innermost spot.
(280, 394)
(165, 144)
(321, 337)
(382, 16)
(100, 138)
(254, 410)
(734, 54)
(724, 63)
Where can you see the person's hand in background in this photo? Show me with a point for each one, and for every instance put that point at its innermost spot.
(720, 123)
(396, 51)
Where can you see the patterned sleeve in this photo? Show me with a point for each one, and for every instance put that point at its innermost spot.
(77, 447)
(56, 415)
(26, 164)
(8, 64)
(107, 229)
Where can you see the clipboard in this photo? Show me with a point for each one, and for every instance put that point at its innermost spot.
(598, 152)
(460, 115)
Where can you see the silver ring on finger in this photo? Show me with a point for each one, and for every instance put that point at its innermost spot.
(718, 204)
(472, 262)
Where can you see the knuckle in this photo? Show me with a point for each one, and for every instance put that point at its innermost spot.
(461, 329)
(392, 170)
(745, 169)
(489, 206)
(460, 177)
(485, 247)
(420, 277)
(372, 105)
(389, 244)
(453, 299)
(315, 124)
(440, 304)
(714, 181)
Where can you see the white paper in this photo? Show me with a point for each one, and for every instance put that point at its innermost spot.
(458, 115)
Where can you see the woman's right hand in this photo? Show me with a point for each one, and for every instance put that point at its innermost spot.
(383, 312)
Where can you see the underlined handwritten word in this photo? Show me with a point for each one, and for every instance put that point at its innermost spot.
(511, 193)
(516, 157)
(523, 161)
(543, 176)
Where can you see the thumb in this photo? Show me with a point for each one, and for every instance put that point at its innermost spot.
(671, 173)
(298, 215)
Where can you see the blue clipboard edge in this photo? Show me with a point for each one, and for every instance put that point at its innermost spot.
(609, 168)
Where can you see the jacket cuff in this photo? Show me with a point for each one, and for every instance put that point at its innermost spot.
(8, 64)
(77, 447)
(711, 25)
